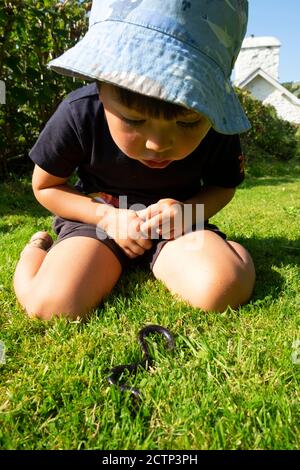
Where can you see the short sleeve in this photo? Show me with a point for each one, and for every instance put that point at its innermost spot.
(225, 163)
(59, 149)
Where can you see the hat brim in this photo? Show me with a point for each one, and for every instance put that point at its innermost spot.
(169, 69)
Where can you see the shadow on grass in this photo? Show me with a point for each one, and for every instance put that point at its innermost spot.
(17, 198)
(252, 182)
(270, 254)
(271, 173)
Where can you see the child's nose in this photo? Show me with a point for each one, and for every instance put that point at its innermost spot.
(159, 143)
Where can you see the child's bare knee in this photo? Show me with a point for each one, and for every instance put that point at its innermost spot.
(218, 290)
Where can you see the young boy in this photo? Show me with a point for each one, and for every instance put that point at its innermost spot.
(164, 135)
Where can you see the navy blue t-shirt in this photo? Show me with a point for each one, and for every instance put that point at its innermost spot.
(77, 138)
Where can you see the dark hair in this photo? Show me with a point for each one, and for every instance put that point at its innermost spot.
(152, 107)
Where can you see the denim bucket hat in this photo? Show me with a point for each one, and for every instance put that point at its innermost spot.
(179, 51)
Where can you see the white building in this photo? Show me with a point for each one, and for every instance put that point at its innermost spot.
(257, 70)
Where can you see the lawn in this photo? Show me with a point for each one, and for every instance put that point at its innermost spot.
(233, 380)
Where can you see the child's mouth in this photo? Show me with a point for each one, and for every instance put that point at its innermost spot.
(156, 164)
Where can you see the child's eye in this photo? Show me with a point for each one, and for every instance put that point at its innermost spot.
(189, 125)
(133, 122)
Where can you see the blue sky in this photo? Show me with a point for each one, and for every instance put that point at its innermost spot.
(279, 18)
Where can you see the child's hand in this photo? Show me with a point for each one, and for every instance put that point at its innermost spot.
(164, 218)
(123, 225)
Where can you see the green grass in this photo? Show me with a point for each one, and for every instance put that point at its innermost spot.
(230, 383)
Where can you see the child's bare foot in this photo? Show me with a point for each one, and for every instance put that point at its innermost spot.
(41, 240)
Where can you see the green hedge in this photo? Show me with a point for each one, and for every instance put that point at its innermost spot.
(31, 33)
(269, 135)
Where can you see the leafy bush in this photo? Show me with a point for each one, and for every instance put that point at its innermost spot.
(31, 34)
(293, 87)
(269, 135)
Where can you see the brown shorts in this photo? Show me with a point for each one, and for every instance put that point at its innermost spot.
(65, 228)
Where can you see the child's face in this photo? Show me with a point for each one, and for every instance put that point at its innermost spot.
(154, 142)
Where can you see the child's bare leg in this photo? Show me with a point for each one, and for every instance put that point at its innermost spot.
(209, 272)
(71, 279)
(31, 259)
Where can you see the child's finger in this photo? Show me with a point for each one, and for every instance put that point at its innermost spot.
(149, 212)
(129, 253)
(171, 227)
(142, 214)
(151, 225)
(144, 243)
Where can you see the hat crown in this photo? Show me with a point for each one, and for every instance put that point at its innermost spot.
(178, 51)
(216, 28)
